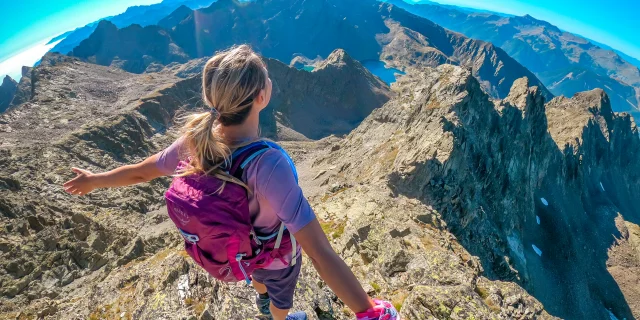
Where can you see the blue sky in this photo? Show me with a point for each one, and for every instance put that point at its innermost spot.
(615, 23)
(28, 24)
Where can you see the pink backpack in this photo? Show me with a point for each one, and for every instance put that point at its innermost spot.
(216, 224)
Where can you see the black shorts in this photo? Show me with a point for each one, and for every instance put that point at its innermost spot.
(281, 284)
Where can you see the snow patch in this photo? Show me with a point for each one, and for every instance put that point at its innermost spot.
(183, 286)
(538, 219)
(516, 247)
(537, 250)
(544, 201)
(601, 186)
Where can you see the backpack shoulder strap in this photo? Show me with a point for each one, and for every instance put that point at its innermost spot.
(244, 155)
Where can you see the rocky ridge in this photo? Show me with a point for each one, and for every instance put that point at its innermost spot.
(530, 188)
(7, 91)
(566, 63)
(624, 263)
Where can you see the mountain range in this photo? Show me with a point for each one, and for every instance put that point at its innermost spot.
(141, 15)
(286, 29)
(566, 63)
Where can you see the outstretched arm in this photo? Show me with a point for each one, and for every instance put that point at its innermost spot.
(332, 268)
(157, 165)
(85, 181)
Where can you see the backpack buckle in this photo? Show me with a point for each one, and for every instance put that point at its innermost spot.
(192, 238)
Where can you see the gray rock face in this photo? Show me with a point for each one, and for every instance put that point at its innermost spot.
(624, 263)
(7, 91)
(493, 169)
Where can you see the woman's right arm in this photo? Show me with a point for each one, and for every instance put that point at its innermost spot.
(332, 269)
(85, 181)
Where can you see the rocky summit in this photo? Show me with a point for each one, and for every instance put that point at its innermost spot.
(7, 92)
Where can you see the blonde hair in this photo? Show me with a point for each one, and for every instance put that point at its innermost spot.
(231, 80)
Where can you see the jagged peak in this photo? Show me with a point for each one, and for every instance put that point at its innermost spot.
(26, 71)
(531, 20)
(106, 25)
(338, 58)
(8, 81)
(596, 100)
(175, 17)
(435, 88)
(182, 8)
(523, 96)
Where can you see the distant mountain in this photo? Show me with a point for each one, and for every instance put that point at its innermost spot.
(566, 63)
(132, 48)
(7, 91)
(175, 17)
(466, 9)
(300, 100)
(286, 29)
(142, 15)
(60, 37)
(628, 58)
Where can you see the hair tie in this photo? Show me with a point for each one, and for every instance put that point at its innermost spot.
(215, 113)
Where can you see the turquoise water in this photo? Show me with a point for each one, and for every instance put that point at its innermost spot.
(378, 68)
(308, 68)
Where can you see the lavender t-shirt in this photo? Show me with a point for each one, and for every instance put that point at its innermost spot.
(275, 197)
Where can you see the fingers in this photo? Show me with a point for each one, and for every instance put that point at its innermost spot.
(73, 190)
(78, 170)
(69, 183)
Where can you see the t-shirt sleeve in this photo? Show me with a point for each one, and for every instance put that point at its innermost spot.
(168, 159)
(277, 187)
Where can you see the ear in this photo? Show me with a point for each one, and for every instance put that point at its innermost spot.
(261, 98)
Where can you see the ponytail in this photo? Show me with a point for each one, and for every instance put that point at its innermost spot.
(231, 80)
(207, 149)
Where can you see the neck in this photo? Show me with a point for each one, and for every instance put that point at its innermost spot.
(248, 130)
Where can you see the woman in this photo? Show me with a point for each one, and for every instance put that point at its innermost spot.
(236, 87)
